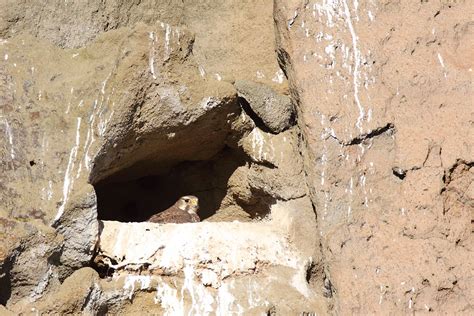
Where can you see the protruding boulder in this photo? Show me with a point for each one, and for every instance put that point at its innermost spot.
(28, 261)
(80, 228)
(275, 110)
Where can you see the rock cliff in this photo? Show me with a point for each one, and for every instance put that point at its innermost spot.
(329, 143)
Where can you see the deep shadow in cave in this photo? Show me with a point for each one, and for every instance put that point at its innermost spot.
(137, 199)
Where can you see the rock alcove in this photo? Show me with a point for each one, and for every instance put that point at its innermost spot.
(238, 157)
(131, 198)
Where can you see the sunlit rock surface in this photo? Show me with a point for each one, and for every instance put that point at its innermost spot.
(359, 202)
(222, 263)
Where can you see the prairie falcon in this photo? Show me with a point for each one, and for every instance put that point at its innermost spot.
(183, 211)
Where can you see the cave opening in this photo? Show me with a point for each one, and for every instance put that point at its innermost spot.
(134, 198)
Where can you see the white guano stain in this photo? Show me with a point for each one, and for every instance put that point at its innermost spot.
(50, 190)
(258, 141)
(38, 290)
(226, 301)
(441, 62)
(68, 179)
(204, 290)
(201, 299)
(202, 71)
(5, 57)
(151, 59)
(167, 42)
(279, 76)
(370, 15)
(336, 14)
(89, 137)
(129, 284)
(9, 135)
(292, 20)
(357, 60)
(209, 103)
(168, 298)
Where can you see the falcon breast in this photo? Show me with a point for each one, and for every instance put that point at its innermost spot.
(183, 211)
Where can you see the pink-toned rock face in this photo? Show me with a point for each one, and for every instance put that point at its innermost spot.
(330, 144)
(385, 106)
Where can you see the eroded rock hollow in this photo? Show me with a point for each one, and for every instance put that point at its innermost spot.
(328, 143)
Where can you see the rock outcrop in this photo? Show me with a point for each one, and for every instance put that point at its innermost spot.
(383, 107)
(327, 141)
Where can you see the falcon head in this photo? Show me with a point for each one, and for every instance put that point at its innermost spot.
(188, 203)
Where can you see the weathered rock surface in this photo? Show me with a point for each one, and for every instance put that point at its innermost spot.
(121, 106)
(224, 45)
(361, 202)
(80, 229)
(28, 261)
(221, 262)
(377, 96)
(78, 294)
(276, 111)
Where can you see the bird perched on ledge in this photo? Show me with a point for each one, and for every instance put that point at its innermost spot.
(183, 211)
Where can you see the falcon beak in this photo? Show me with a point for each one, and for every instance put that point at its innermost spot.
(194, 202)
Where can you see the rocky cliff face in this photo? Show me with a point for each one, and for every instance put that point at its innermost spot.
(328, 142)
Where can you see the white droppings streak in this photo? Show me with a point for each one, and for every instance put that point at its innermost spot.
(168, 299)
(68, 180)
(209, 103)
(371, 16)
(151, 36)
(292, 20)
(257, 143)
(201, 299)
(89, 139)
(167, 41)
(357, 59)
(6, 57)
(50, 190)
(130, 280)
(9, 133)
(38, 290)
(441, 61)
(279, 76)
(440, 58)
(225, 300)
(202, 71)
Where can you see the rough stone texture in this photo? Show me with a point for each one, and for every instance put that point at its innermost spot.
(80, 229)
(383, 93)
(222, 263)
(28, 261)
(225, 41)
(137, 99)
(78, 294)
(112, 97)
(276, 111)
